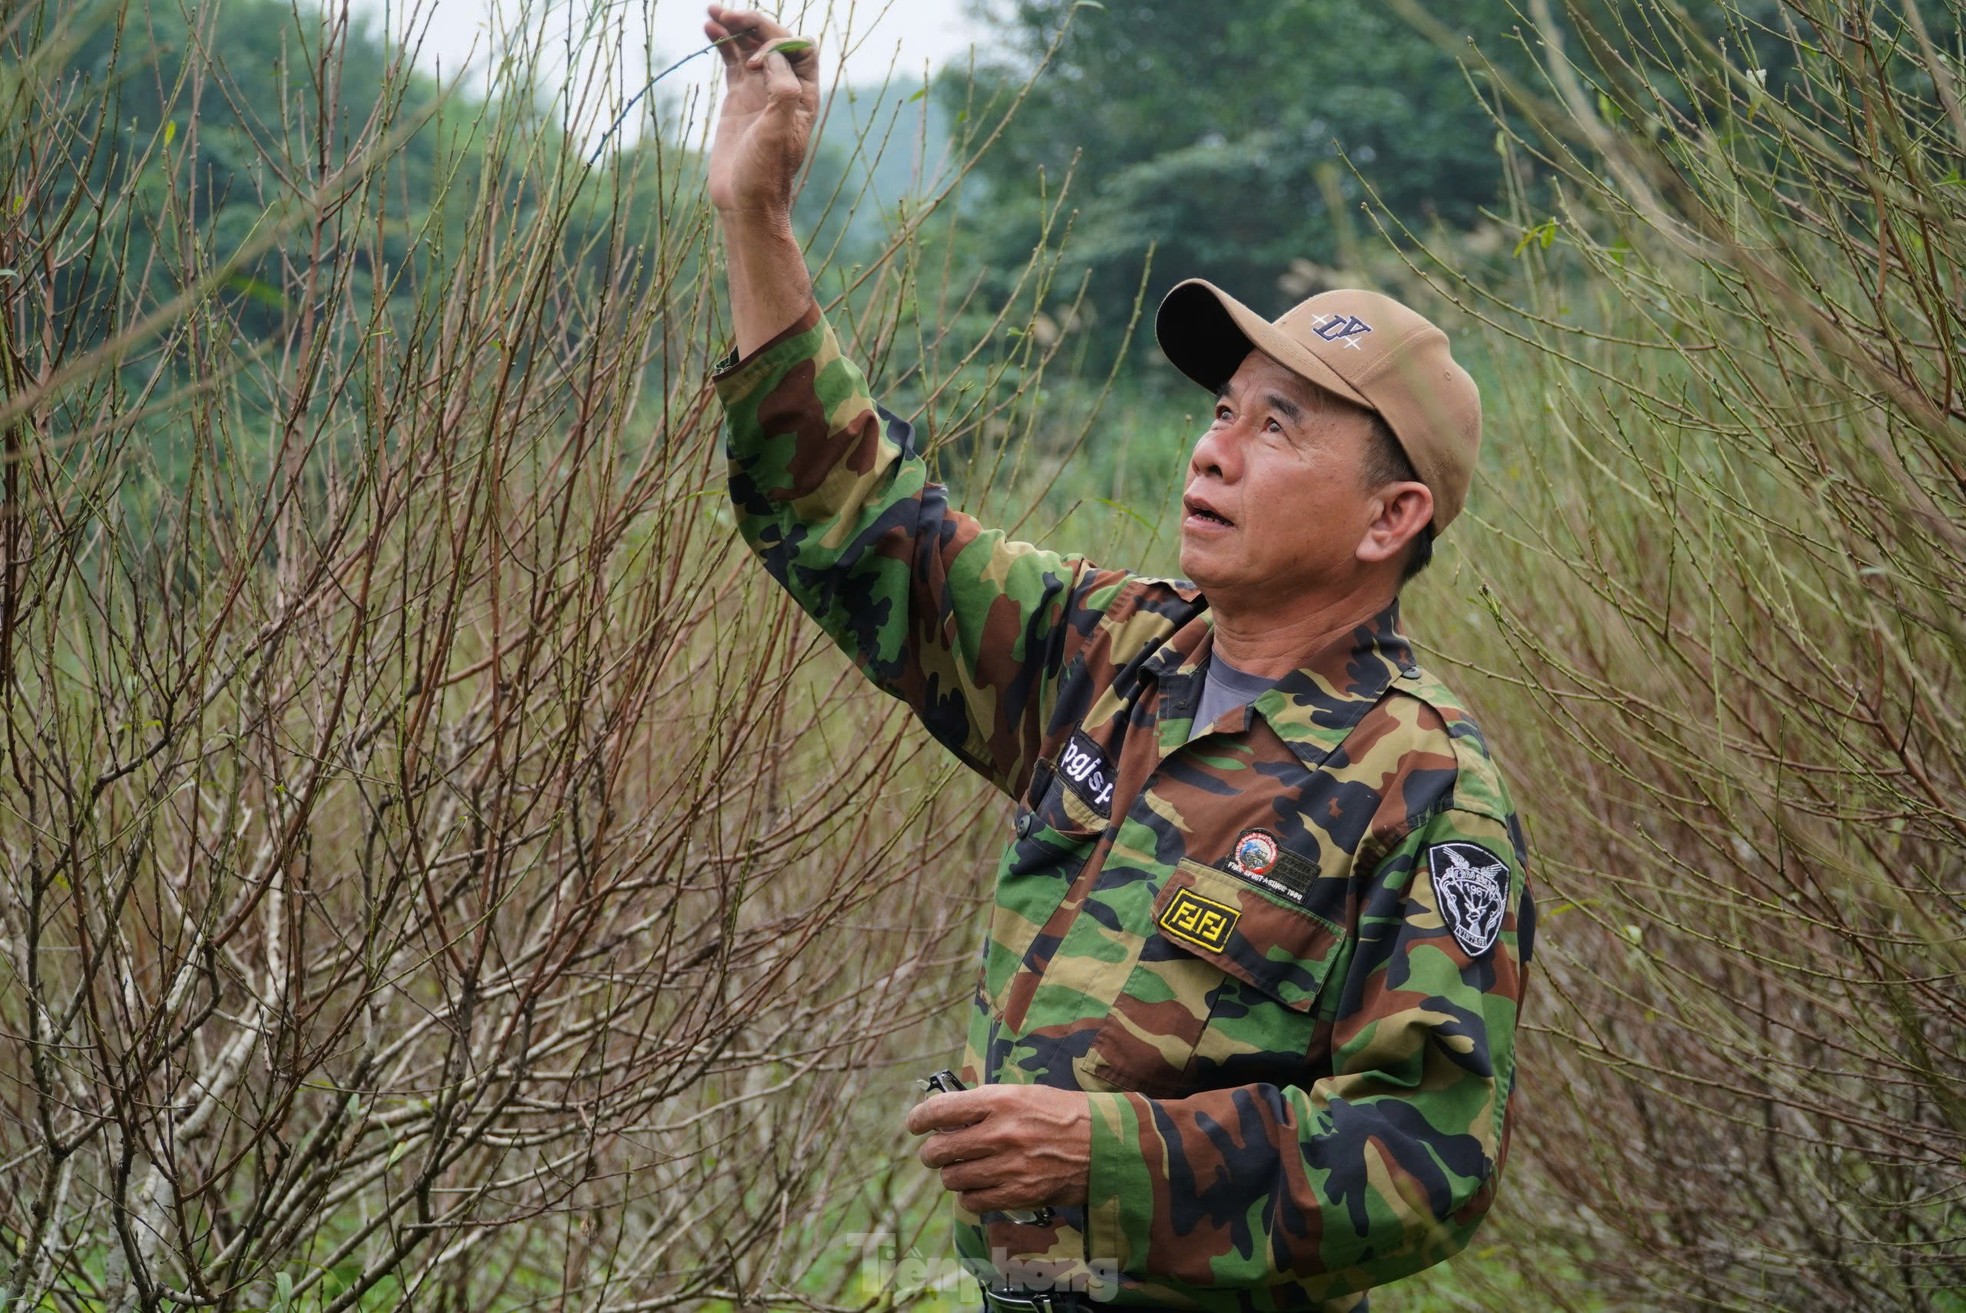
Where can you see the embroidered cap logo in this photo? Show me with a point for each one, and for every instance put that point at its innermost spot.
(1341, 328)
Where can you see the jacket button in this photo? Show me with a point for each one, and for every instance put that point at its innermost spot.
(1026, 823)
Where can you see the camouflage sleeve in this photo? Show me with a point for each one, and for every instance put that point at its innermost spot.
(1383, 1166)
(963, 624)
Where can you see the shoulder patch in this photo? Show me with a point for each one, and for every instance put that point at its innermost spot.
(1471, 888)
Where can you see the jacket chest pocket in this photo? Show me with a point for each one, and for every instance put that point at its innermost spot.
(1225, 990)
(1052, 841)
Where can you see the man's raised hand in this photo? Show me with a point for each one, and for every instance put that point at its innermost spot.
(771, 101)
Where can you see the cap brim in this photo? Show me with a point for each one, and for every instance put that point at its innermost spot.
(1206, 333)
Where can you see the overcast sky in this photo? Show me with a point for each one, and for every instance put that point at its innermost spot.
(916, 32)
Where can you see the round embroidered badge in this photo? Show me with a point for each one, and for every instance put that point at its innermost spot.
(1255, 852)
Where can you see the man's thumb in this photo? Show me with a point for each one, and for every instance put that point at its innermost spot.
(781, 83)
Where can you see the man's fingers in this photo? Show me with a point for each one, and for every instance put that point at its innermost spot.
(797, 63)
(746, 41)
(792, 47)
(946, 1112)
(994, 1199)
(972, 1177)
(750, 28)
(988, 1185)
(782, 84)
(727, 46)
(945, 1147)
(717, 30)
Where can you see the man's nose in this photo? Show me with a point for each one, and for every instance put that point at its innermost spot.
(1217, 452)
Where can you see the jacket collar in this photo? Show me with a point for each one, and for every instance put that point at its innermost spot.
(1313, 708)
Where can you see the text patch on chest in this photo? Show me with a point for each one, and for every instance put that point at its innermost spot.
(1199, 920)
(1085, 768)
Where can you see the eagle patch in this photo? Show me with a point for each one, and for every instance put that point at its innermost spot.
(1471, 888)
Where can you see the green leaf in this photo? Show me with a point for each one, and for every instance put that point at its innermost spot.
(170, 131)
(396, 1154)
(918, 95)
(1542, 234)
(793, 46)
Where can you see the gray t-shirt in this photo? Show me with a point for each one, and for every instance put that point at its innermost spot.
(1224, 688)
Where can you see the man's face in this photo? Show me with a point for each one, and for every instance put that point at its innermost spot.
(1276, 503)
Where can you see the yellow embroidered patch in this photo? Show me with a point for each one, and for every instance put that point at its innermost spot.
(1199, 920)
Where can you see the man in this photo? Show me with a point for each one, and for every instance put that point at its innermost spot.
(1244, 1035)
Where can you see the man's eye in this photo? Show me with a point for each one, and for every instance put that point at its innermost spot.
(1221, 414)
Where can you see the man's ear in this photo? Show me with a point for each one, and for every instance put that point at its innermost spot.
(1403, 510)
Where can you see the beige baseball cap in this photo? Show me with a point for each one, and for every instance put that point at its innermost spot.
(1367, 348)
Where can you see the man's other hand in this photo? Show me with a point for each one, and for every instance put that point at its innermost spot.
(771, 101)
(1008, 1146)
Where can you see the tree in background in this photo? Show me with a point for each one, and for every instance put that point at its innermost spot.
(208, 122)
(432, 875)
(1221, 137)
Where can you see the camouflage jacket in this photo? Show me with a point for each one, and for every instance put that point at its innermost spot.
(1284, 957)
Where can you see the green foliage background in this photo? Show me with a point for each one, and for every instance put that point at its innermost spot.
(1224, 138)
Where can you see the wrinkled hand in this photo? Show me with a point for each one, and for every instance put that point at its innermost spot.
(1008, 1146)
(771, 101)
